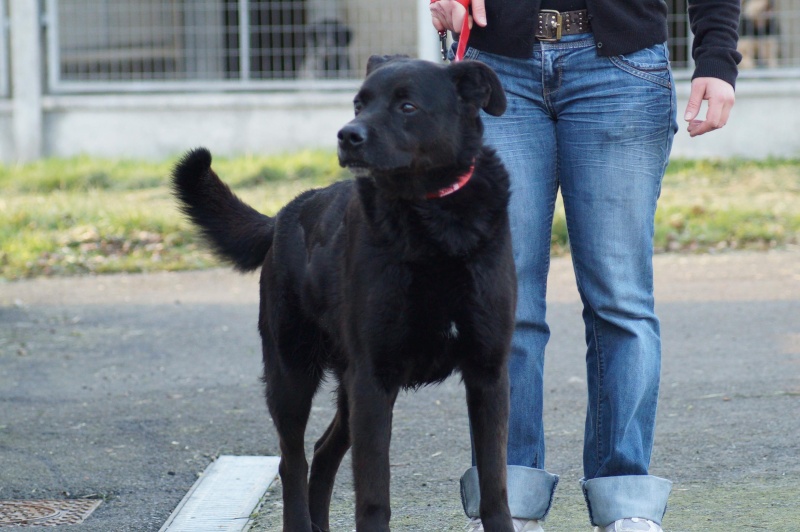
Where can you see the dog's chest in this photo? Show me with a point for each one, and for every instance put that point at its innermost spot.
(435, 324)
(438, 300)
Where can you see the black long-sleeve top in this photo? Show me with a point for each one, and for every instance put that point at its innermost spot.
(622, 27)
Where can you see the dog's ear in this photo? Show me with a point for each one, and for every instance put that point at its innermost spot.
(377, 61)
(479, 85)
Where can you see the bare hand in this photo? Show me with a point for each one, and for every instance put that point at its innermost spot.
(720, 97)
(448, 15)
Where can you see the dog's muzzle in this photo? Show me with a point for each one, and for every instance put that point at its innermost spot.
(352, 139)
(352, 136)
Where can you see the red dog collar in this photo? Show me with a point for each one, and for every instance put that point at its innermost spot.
(460, 182)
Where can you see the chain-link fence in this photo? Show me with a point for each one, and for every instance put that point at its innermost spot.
(769, 34)
(101, 42)
(204, 44)
(769, 37)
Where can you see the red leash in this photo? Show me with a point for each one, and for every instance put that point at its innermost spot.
(463, 36)
(462, 47)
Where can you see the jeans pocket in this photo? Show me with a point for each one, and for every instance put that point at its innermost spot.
(469, 53)
(651, 64)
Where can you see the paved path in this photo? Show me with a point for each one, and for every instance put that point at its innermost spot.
(125, 387)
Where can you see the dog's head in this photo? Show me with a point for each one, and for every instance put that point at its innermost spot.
(328, 33)
(416, 118)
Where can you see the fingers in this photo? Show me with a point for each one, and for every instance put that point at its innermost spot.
(479, 12)
(699, 127)
(447, 15)
(437, 22)
(695, 99)
(720, 97)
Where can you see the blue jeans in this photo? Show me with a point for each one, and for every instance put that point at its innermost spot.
(600, 129)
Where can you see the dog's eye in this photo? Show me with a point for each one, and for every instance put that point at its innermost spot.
(408, 108)
(357, 106)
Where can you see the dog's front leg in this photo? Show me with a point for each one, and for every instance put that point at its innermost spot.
(488, 406)
(370, 432)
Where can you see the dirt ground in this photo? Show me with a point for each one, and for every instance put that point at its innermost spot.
(125, 387)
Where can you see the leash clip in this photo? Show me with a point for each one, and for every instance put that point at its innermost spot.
(462, 38)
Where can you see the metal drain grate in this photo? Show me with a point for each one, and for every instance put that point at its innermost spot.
(45, 513)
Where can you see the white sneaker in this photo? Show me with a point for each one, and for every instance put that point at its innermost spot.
(520, 525)
(633, 524)
(527, 525)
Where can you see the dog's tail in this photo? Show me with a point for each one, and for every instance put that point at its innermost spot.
(235, 231)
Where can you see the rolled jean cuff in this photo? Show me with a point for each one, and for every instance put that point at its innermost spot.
(613, 498)
(530, 492)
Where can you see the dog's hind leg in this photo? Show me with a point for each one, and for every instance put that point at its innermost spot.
(488, 407)
(328, 454)
(289, 396)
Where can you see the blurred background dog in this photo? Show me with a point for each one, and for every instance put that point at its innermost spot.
(327, 50)
(758, 34)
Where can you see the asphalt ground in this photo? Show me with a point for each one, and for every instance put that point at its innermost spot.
(125, 387)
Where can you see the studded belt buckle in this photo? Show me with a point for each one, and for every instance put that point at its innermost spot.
(550, 24)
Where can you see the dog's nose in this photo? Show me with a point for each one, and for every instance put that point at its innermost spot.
(352, 135)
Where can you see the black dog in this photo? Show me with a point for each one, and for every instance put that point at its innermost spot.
(393, 280)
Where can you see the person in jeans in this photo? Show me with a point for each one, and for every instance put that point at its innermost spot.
(592, 111)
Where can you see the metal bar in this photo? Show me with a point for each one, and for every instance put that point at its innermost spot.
(4, 66)
(26, 79)
(52, 45)
(427, 36)
(689, 43)
(244, 40)
(278, 85)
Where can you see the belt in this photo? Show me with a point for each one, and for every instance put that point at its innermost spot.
(552, 25)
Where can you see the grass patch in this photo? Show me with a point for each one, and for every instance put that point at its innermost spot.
(82, 215)
(729, 204)
(86, 215)
(713, 205)
(81, 174)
